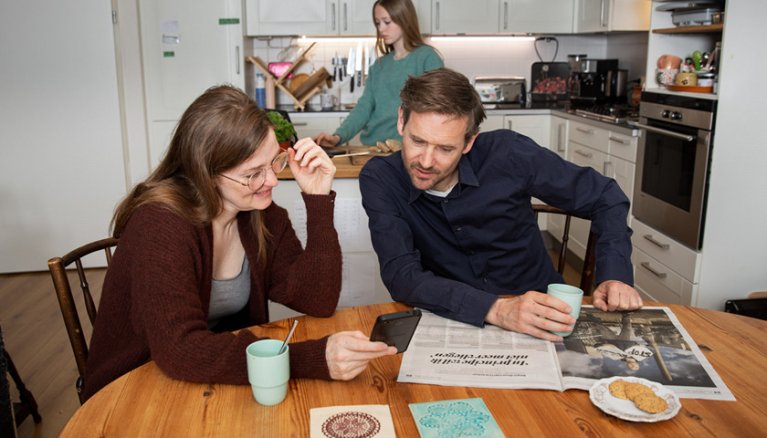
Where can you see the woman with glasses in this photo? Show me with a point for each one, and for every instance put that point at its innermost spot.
(203, 249)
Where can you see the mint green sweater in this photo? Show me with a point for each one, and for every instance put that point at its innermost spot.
(376, 111)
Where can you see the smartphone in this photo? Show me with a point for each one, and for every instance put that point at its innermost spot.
(396, 329)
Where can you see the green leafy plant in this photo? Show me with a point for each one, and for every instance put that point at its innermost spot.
(283, 129)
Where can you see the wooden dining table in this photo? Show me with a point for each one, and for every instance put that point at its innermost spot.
(145, 402)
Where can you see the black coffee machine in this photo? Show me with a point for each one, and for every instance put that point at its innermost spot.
(588, 81)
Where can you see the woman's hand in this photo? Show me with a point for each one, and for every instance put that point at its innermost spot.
(327, 140)
(311, 167)
(348, 354)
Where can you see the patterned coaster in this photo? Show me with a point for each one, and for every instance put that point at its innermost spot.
(360, 421)
(455, 418)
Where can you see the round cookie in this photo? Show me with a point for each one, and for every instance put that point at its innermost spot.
(618, 389)
(650, 403)
(635, 389)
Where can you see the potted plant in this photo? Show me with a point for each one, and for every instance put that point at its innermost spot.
(283, 129)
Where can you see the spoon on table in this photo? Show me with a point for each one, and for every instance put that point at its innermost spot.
(290, 334)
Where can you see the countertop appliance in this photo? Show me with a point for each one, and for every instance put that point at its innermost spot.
(588, 85)
(672, 167)
(619, 114)
(499, 92)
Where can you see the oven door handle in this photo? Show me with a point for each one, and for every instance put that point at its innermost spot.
(664, 132)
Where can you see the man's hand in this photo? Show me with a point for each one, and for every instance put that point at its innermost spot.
(613, 295)
(533, 313)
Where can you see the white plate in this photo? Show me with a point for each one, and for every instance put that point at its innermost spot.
(599, 393)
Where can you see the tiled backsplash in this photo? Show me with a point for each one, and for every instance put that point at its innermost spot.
(472, 56)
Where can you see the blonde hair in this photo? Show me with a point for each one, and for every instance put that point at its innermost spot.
(220, 129)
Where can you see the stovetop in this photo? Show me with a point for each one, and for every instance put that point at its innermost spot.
(618, 114)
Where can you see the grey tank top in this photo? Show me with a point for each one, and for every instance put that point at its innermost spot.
(229, 296)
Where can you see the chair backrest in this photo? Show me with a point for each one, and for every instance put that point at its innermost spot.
(57, 266)
(589, 260)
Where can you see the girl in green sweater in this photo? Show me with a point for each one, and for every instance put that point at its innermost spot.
(404, 54)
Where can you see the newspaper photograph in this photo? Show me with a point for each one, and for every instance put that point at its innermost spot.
(648, 343)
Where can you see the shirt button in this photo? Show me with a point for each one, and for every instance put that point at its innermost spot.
(484, 280)
(458, 228)
(444, 201)
(470, 253)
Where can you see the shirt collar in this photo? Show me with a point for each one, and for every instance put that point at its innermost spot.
(466, 176)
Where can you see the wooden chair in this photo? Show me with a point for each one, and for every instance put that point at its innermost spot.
(589, 261)
(26, 406)
(57, 266)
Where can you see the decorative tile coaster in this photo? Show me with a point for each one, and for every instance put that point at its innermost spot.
(360, 421)
(455, 418)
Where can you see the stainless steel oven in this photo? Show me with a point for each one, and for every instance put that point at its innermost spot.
(673, 160)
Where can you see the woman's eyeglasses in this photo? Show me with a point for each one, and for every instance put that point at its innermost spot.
(257, 179)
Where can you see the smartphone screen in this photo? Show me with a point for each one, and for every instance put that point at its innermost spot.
(396, 329)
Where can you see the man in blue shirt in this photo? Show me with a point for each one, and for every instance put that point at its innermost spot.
(451, 221)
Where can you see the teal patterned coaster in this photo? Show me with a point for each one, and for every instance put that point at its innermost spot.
(455, 418)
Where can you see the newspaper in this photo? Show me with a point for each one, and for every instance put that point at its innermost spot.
(648, 343)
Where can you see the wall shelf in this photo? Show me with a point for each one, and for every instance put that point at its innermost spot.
(710, 28)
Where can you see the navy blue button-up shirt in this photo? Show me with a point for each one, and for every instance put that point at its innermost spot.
(455, 255)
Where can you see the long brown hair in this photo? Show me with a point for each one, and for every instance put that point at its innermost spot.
(220, 129)
(402, 13)
(443, 91)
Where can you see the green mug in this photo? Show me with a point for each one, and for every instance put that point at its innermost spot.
(569, 294)
(268, 371)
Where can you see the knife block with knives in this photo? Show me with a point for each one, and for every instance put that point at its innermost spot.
(307, 89)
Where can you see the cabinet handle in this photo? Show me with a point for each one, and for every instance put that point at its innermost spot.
(508, 123)
(655, 242)
(647, 266)
(346, 18)
(583, 154)
(616, 139)
(561, 138)
(602, 15)
(584, 130)
(333, 15)
(673, 134)
(606, 168)
(505, 15)
(300, 123)
(237, 59)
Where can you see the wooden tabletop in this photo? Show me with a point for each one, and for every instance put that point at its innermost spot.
(145, 402)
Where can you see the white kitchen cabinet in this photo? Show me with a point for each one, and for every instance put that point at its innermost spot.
(291, 17)
(185, 51)
(609, 152)
(611, 15)
(556, 16)
(450, 17)
(319, 17)
(555, 223)
(591, 16)
(535, 126)
(630, 15)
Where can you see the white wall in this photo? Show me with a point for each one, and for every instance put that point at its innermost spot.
(734, 261)
(61, 163)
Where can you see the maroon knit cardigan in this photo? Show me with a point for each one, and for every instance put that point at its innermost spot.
(154, 304)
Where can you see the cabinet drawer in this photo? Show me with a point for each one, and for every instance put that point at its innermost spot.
(589, 135)
(623, 173)
(658, 281)
(667, 251)
(623, 146)
(312, 126)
